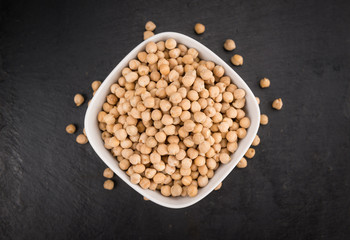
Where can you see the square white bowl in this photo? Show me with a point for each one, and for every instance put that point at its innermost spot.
(94, 133)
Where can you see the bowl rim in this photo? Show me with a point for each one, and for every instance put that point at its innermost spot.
(95, 106)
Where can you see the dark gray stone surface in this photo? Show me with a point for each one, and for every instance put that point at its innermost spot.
(297, 185)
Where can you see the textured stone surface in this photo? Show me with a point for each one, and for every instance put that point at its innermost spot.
(297, 185)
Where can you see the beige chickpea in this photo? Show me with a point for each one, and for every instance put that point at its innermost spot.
(70, 128)
(176, 111)
(237, 60)
(239, 93)
(231, 136)
(218, 186)
(257, 100)
(192, 95)
(242, 163)
(141, 56)
(186, 180)
(227, 97)
(277, 104)
(135, 159)
(199, 28)
(78, 99)
(150, 26)
(241, 133)
(229, 45)
(124, 164)
(250, 153)
(139, 168)
(159, 178)
(165, 190)
(244, 122)
(256, 141)
(95, 85)
(150, 172)
(162, 149)
(170, 43)
(176, 190)
(189, 125)
(231, 112)
(161, 45)
(147, 34)
(204, 147)
(224, 158)
(160, 137)
(108, 184)
(192, 190)
(81, 139)
(218, 71)
(135, 178)
(214, 91)
(175, 98)
(145, 183)
(173, 149)
(203, 181)
(108, 173)
(264, 83)
(264, 120)
(192, 153)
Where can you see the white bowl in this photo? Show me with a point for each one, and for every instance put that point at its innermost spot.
(94, 133)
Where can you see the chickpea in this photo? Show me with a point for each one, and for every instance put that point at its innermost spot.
(250, 153)
(199, 28)
(78, 99)
(277, 104)
(170, 43)
(237, 60)
(95, 85)
(108, 173)
(81, 139)
(165, 190)
(176, 190)
(159, 178)
(264, 120)
(135, 159)
(124, 164)
(227, 97)
(192, 190)
(150, 26)
(147, 34)
(108, 184)
(70, 128)
(256, 141)
(218, 186)
(135, 178)
(229, 45)
(204, 147)
(224, 158)
(242, 163)
(175, 98)
(203, 181)
(244, 122)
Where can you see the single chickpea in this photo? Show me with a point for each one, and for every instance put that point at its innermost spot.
(214, 91)
(204, 147)
(229, 45)
(175, 98)
(219, 71)
(160, 137)
(161, 45)
(108, 173)
(170, 43)
(186, 180)
(145, 183)
(237, 60)
(189, 125)
(199, 28)
(239, 93)
(244, 122)
(199, 161)
(256, 141)
(135, 178)
(135, 159)
(150, 172)
(224, 158)
(167, 120)
(192, 95)
(264, 120)
(150, 26)
(108, 184)
(231, 136)
(147, 34)
(95, 85)
(203, 181)
(264, 83)
(218, 186)
(277, 104)
(241, 133)
(250, 153)
(124, 164)
(159, 178)
(81, 139)
(227, 97)
(176, 190)
(165, 190)
(257, 100)
(242, 163)
(70, 128)
(156, 115)
(78, 99)
(192, 190)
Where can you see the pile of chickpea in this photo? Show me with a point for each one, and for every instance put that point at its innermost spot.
(171, 119)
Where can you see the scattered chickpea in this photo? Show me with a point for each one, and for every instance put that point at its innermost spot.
(95, 85)
(250, 153)
(147, 34)
(237, 60)
(81, 139)
(108, 173)
(70, 128)
(150, 26)
(277, 104)
(108, 184)
(264, 120)
(218, 186)
(264, 83)
(229, 45)
(256, 141)
(78, 99)
(199, 28)
(242, 163)
(257, 100)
